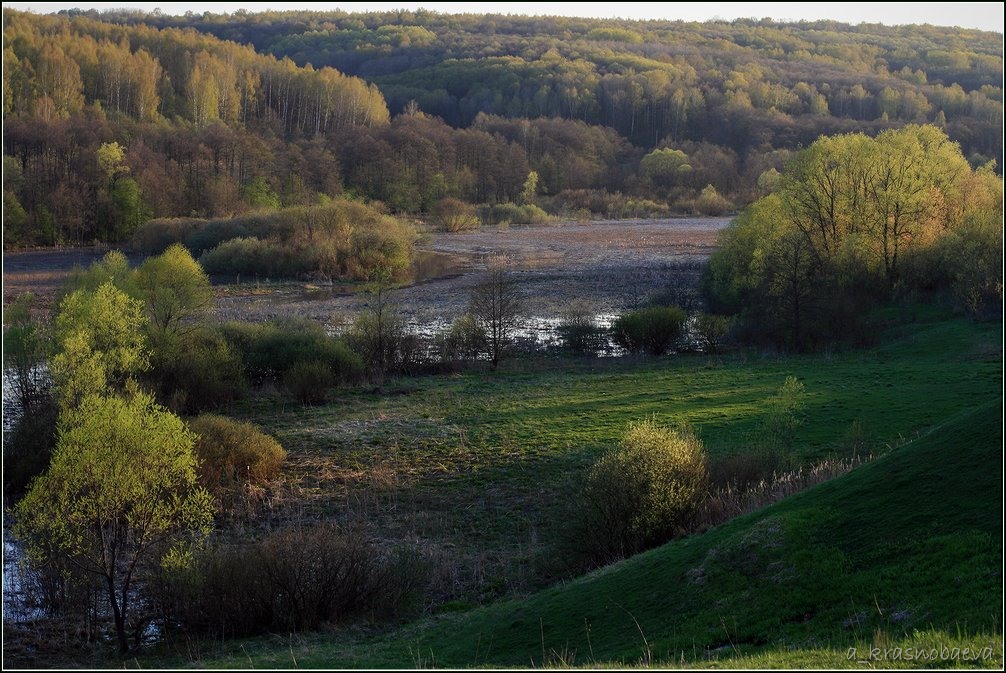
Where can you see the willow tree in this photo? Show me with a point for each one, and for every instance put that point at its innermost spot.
(119, 498)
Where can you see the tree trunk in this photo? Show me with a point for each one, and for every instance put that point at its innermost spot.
(120, 619)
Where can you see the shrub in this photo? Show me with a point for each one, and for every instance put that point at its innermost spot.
(309, 382)
(710, 202)
(652, 330)
(584, 203)
(337, 239)
(711, 331)
(453, 215)
(292, 580)
(269, 350)
(512, 213)
(234, 453)
(196, 371)
(465, 339)
(578, 331)
(251, 256)
(640, 495)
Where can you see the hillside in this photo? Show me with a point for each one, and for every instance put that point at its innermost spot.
(216, 115)
(647, 79)
(908, 544)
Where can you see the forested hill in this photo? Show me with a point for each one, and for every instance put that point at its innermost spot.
(743, 85)
(114, 118)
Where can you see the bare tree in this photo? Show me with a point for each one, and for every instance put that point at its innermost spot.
(498, 303)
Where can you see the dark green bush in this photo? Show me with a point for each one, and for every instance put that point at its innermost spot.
(293, 580)
(309, 382)
(233, 453)
(651, 330)
(740, 471)
(196, 371)
(581, 335)
(269, 350)
(640, 495)
(250, 257)
(711, 331)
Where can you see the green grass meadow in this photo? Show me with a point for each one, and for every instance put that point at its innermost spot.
(904, 551)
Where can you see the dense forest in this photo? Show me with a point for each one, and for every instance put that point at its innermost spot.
(115, 118)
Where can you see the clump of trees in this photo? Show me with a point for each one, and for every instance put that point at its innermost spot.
(118, 497)
(340, 239)
(854, 221)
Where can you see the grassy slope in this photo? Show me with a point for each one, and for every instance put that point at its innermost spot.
(479, 467)
(911, 541)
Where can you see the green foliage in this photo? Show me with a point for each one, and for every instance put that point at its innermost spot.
(652, 330)
(99, 343)
(640, 495)
(259, 194)
(31, 412)
(337, 239)
(111, 158)
(26, 349)
(711, 331)
(530, 188)
(665, 167)
(785, 415)
(463, 340)
(112, 268)
(269, 350)
(119, 496)
(175, 289)
(579, 332)
(855, 220)
(309, 382)
(233, 454)
(511, 213)
(197, 370)
(709, 202)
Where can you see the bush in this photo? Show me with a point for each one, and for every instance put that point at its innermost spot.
(309, 382)
(453, 215)
(337, 239)
(584, 203)
(710, 202)
(578, 330)
(711, 331)
(269, 350)
(27, 447)
(234, 453)
(196, 371)
(463, 340)
(640, 495)
(651, 330)
(511, 213)
(251, 256)
(293, 580)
